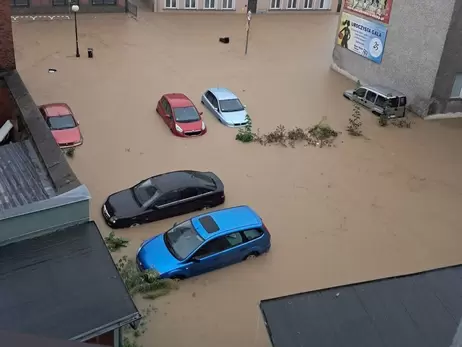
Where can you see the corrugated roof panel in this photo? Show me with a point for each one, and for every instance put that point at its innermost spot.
(21, 183)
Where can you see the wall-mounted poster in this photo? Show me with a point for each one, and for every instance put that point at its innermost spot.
(362, 37)
(377, 9)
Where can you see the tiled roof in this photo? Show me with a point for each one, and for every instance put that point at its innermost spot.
(22, 180)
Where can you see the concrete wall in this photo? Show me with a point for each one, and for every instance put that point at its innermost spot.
(450, 65)
(416, 36)
(46, 216)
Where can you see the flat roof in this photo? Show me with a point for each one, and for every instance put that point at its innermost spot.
(417, 310)
(23, 180)
(63, 285)
(22, 340)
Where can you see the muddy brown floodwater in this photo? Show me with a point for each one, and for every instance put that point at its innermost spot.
(381, 206)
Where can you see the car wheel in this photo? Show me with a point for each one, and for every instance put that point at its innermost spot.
(134, 225)
(251, 256)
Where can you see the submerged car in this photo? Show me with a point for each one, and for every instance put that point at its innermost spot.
(205, 243)
(225, 106)
(380, 100)
(180, 115)
(63, 125)
(163, 196)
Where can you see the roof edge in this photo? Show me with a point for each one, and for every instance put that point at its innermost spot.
(358, 283)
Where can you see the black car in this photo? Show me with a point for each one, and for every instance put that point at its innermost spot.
(163, 196)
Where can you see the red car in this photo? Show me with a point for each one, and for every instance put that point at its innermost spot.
(180, 115)
(63, 126)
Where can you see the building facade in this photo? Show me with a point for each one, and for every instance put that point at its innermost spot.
(412, 46)
(29, 7)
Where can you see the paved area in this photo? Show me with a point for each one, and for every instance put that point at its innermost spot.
(385, 205)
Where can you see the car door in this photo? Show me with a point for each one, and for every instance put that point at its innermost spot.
(215, 106)
(208, 257)
(167, 205)
(169, 115)
(369, 100)
(190, 199)
(359, 95)
(235, 251)
(207, 100)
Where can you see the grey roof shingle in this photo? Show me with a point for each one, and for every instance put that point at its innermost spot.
(21, 179)
(418, 310)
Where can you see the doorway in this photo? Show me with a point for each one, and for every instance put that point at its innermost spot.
(252, 6)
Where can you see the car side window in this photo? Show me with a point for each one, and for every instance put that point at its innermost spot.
(212, 247)
(164, 103)
(234, 239)
(42, 111)
(252, 234)
(168, 109)
(380, 101)
(203, 191)
(370, 96)
(402, 101)
(361, 92)
(168, 198)
(188, 193)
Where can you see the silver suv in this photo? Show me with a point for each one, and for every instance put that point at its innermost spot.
(380, 100)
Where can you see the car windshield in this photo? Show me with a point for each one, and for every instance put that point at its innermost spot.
(231, 105)
(145, 192)
(183, 239)
(186, 114)
(61, 122)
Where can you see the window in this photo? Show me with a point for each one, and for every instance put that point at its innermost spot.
(214, 100)
(170, 3)
(168, 109)
(61, 2)
(19, 3)
(209, 4)
(275, 4)
(291, 4)
(393, 102)
(212, 247)
(182, 239)
(371, 96)
(324, 4)
(234, 239)
(189, 4)
(209, 224)
(186, 114)
(360, 92)
(308, 4)
(380, 101)
(252, 234)
(231, 105)
(457, 87)
(61, 122)
(227, 5)
(168, 198)
(145, 192)
(402, 101)
(104, 2)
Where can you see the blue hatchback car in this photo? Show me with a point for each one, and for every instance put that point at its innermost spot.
(205, 243)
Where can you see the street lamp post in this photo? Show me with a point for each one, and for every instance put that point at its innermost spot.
(247, 27)
(75, 9)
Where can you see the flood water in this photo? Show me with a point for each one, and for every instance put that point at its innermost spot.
(371, 207)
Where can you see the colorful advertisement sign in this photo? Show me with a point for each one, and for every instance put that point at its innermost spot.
(362, 37)
(377, 9)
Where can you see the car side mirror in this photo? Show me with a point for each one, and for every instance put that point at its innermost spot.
(175, 224)
(195, 260)
(354, 92)
(245, 106)
(201, 113)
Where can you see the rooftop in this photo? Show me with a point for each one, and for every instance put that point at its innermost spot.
(63, 285)
(418, 310)
(227, 220)
(23, 180)
(21, 340)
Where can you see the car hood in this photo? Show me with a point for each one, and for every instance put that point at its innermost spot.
(348, 92)
(123, 204)
(192, 126)
(233, 118)
(66, 136)
(154, 254)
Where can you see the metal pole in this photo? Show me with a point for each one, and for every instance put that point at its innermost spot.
(249, 17)
(77, 53)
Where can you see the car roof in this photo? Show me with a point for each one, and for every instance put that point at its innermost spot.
(176, 180)
(384, 90)
(223, 93)
(178, 100)
(228, 220)
(57, 109)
